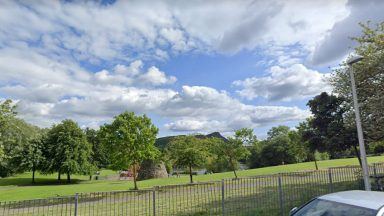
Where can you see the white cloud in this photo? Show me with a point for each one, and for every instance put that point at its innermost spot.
(202, 109)
(129, 30)
(284, 83)
(156, 77)
(133, 69)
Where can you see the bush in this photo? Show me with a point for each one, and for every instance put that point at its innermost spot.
(377, 147)
(217, 165)
(255, 160)
(322, 156)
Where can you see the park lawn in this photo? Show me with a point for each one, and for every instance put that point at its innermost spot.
(19, 188)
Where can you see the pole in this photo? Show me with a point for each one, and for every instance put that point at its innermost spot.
(76, 203)
(363, 155)
(154, 200)
(281, 199)
(330, 180)
(222, 197)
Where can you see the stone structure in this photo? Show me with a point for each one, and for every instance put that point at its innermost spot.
(152, 169)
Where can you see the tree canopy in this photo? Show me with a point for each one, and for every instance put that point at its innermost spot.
(369, 77)
(330, 133)
(130, 140)
(67, 150)
(188, 152)
(14, 134)
(234, 149)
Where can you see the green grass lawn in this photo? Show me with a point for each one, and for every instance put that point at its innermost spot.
(19, 187)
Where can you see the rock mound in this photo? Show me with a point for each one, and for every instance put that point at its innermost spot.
(152, 169)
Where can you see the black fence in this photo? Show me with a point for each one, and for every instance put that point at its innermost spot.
(259, 195)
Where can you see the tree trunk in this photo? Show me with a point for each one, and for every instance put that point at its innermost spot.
(234, 169)
(314, 158)
(90, 177)
(33, 175)
(59, 177)
(357, 155)
(190, 174)
(316, 166)
(68, 178)
(134, 177)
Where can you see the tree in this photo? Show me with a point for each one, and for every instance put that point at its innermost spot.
(277, 131)
(232, 151)
(99, 155)
(130, 140)
(14, 133)
(189, 152)
(334, 136)
(276, 151)
(32, 156)
(2, 154)
(369, 77)
(311, 138)
(234, 148)
(246, 137)
(299, 150)
(67, 150)
(277, 147)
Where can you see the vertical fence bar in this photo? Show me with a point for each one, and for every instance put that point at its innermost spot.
(154, 201)
(76, 203)
(222, 197)
(330, 180)
(281, 201)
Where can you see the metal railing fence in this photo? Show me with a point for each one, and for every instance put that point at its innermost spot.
(258, 195)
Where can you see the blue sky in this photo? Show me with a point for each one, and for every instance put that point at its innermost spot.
(193, 67)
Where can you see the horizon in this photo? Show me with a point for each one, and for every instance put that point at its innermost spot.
(192, 68)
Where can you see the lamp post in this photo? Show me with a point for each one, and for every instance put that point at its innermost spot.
(363, 155)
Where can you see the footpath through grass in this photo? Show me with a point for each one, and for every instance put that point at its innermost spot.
(20, 188)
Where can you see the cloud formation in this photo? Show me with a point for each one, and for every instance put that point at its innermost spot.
(93, 32)
(284, 83)
(337, 43)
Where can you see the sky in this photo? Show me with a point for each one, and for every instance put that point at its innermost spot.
(191, 66)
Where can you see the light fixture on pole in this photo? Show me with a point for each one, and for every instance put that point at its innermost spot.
(363, 155)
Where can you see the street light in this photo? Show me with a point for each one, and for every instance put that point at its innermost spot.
(363, 155)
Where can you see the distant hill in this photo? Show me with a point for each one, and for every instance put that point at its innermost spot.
(163, 142)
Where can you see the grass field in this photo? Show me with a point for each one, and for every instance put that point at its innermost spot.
(19, 187)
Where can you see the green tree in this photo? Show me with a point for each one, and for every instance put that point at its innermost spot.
(99, 155)
(333, 134)
(234, 149)
(188, 152)
(312, 139)
(277, 147)
(130, 140)
(14, 133)
(278, 131)
(369, 77)
(67, 150)
(298, 149)
(246, 137)
(32, 155)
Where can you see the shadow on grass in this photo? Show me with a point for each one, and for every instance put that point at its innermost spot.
(12, 181)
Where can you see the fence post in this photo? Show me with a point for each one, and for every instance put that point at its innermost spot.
(154, 200)
(281, 200)
(222, 197)
(374, 170)
(330, 180)
(76, 203)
